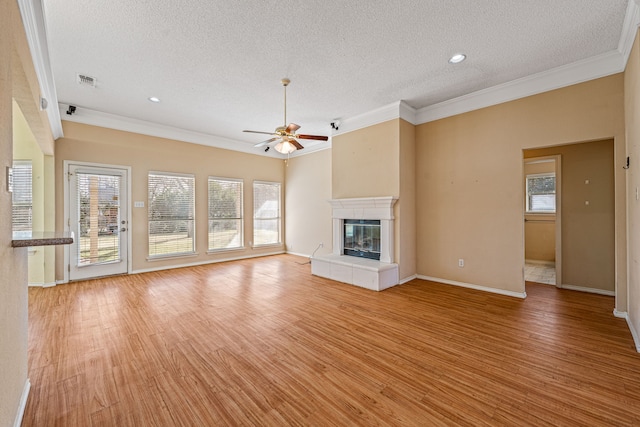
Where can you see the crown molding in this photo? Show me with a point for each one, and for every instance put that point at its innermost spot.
(113, 121)
(629, 29)
(591, 68)
(395, 110)
(92, 117)
(32, 15)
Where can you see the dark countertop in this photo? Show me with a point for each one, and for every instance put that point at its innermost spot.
(40, 238)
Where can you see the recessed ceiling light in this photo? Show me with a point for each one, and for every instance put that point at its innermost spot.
(154, 99)
(457, 58)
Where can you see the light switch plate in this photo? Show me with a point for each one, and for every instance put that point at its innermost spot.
(138, 204)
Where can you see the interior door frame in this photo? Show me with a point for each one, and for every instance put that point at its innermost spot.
(67, 210)
(557, 158)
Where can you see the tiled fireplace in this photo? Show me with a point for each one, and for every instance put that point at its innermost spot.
(363, 244)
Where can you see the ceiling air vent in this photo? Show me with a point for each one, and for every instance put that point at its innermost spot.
(85, 80)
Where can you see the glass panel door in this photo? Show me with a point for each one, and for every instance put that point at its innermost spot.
(98, 219)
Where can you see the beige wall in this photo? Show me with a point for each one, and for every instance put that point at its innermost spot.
(406, 227)
(16, 81)
(366, 162)
(539, 229)
(308, 212)
(83, 143)
(632, 110)
(470, 202)
(380, 161)
(25, 147)
(588, 232)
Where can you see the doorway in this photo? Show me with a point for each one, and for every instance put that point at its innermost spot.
(96, 209)
(543, 220)
(585, 257)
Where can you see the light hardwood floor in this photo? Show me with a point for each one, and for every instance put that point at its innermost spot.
(262, 342)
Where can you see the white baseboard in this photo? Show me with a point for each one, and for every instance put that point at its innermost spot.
(195, 264)
(42, 285)
(620, 314)
(589, 290)
(23, 403)
(476, 287)
(297, 254)
(407, 279)
(634, 334)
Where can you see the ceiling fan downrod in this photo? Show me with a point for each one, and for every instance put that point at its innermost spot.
(285, 82)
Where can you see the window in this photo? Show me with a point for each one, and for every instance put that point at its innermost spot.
(22, 196)
(171, 214)
(225, 213)
(541, 193)
(266, 213)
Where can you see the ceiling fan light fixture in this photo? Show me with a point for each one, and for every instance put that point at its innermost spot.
(285, 147)
(285, 135)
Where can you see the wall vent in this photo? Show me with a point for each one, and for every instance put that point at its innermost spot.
(85, 80)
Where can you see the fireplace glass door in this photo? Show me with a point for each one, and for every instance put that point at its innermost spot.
(362, 238)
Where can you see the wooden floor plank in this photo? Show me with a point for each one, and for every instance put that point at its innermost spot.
(262, 342)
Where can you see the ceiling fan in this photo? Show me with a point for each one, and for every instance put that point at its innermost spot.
(287, 139)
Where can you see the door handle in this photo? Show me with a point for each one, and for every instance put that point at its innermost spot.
(123, 229)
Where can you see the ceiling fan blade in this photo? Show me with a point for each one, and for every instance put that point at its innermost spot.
(295, 144)
(256, 131)
(292, 128)
(316, 137)
(263, 143)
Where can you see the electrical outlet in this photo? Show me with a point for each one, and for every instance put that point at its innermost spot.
(461, 262)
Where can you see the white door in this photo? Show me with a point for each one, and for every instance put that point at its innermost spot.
(97, 200)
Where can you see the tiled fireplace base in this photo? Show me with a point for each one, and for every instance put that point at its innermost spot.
(366, 273)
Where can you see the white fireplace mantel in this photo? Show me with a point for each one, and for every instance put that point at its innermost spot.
(379, 208)
(363, 208)
(370, 274)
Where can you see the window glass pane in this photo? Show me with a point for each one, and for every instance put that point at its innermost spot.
(266, 213)
(99, 216)
(541, 193)
(22, 197)
(543, 202)
(225, 214)
(171, 214)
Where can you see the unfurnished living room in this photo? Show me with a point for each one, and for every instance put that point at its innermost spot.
(401, 213)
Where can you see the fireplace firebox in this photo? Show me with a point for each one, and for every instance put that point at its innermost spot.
(362, 238)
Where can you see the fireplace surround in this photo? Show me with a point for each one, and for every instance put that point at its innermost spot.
(374, 274)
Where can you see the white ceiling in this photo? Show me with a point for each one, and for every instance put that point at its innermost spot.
(216, 65)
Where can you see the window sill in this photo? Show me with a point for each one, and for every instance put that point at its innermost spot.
(176, 256)
(267, 245)
(217, 251)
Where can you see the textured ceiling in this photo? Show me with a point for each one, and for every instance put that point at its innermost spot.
(217, 65)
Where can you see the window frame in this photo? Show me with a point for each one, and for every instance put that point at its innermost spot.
(528, 209)
(191, 252)
(240, 181)
(278, 217)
